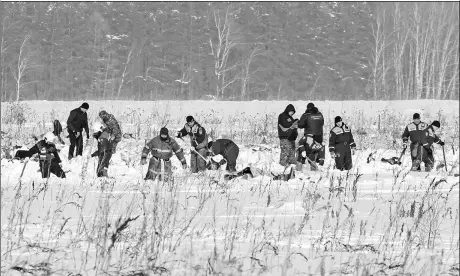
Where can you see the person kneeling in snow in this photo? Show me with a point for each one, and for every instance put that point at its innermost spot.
(104, 148)
(161, 148)
(428, 140)
(229, 151)
(341, 145)
(48, 156)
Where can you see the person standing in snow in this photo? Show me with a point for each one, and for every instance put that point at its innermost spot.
(341, 145)
(113, 128)
(77, 121)
(287, 133)
(428, 140)
(49, 159)
(161, 148)
(229, 151)
(311, 144)
(104, 149)
(199, 142)
(415, 132)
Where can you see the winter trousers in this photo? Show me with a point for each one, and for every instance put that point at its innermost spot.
(75, 142)
(287, 155)
(103, 163)
(155, 169)
(51, 166)
(231, 154)
(343, 160)
(198, 164)
(420, 154)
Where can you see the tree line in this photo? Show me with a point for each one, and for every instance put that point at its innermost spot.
(229, 51)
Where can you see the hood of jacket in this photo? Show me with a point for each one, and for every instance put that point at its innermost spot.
(289, 108)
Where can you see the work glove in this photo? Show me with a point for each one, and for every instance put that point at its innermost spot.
(77, 134)
(184, 166)
(333, 155)
(143, 161)
(304, 154)
(441, 143)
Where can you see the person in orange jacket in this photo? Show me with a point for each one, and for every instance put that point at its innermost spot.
(161, 148)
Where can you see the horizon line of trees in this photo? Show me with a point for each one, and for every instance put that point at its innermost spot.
(229, 51)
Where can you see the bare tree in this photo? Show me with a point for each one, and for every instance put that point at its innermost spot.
(124, 73)
(227, 38)
(246, 72)
(25, 62)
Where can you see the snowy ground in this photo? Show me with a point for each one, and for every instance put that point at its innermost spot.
(379, 218)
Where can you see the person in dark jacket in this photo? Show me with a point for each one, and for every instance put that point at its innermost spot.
(415, 131)
(287, 132)
(77, 121)
(428, 141)
(104, 149)
(312, 121)
(341, 145)
(199, 142)
(162, 147)
(229, 151)
(311, 146)
(113, 128)
(49, 159)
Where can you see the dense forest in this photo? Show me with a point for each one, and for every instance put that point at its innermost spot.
(229, 51)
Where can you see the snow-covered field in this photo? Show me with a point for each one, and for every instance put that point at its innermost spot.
(377, 219)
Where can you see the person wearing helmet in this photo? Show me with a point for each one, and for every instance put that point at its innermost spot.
(77, 121)
(49, 159)
(113, 128)
(104, 148)
(161, 148)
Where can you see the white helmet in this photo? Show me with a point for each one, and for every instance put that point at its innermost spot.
(49, 137)
(98, 126)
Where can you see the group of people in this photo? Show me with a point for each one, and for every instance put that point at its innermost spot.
(107, 132)
(341, 143)
(310, 149)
